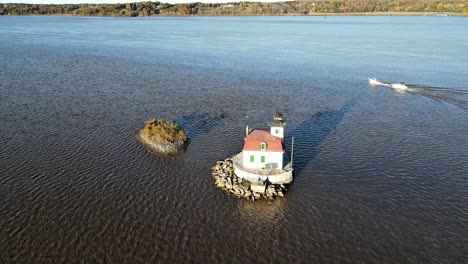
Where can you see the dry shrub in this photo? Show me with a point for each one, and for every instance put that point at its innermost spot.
(158, 128)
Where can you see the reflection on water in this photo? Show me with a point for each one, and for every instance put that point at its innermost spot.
(265, 214)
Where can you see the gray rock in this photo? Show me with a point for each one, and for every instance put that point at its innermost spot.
(245, 185)
(225, 179)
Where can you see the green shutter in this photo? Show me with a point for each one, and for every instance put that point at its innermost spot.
(262, 159)
(251, 158)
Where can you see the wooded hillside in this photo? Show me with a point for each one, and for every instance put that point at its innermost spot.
(239, 8)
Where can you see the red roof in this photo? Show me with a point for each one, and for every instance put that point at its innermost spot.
(255, 137)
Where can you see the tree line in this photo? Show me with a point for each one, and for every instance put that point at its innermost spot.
(238, 8)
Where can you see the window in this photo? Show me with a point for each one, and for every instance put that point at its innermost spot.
(276, 131)
(252, 158)
(263, 146)
(262, 159)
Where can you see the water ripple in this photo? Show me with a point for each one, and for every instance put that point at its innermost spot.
(380, 176)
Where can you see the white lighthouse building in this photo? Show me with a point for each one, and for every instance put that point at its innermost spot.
(263, 149)
(263, 155)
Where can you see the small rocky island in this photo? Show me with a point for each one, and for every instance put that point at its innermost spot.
(163, 137)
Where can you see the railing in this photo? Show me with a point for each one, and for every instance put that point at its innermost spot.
(276, 176)
(238, 161)
(288, 167)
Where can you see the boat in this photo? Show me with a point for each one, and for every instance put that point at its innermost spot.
(399, 86)
(375, 82)
(396, 86)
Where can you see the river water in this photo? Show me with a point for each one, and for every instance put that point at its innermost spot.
(381, 176)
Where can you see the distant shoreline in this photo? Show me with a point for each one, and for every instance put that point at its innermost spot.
(242, 8)
(386, 14)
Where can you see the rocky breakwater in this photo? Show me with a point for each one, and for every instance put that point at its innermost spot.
(163, 137)
(226, 180)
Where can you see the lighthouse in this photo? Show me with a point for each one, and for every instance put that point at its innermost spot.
(265, 149)
(277, 125)
(263, 155)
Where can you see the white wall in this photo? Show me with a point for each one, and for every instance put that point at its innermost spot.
(277, 131)
(283, 178)
(270, 157)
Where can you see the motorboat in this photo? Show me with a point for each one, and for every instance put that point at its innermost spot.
(395, 86)
(399, 86)
(375, 82)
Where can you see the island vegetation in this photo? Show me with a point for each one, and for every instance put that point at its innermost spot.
(314, 7)
(163, 137)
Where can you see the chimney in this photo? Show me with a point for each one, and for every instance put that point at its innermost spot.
(246, 130)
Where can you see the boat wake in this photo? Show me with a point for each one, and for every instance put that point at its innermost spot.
(458, 97)
(440, 89)
(454, 96)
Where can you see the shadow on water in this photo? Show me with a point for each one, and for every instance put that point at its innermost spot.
(310, 134)
(199, 124)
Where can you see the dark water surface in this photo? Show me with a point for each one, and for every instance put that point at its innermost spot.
(381, 176)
